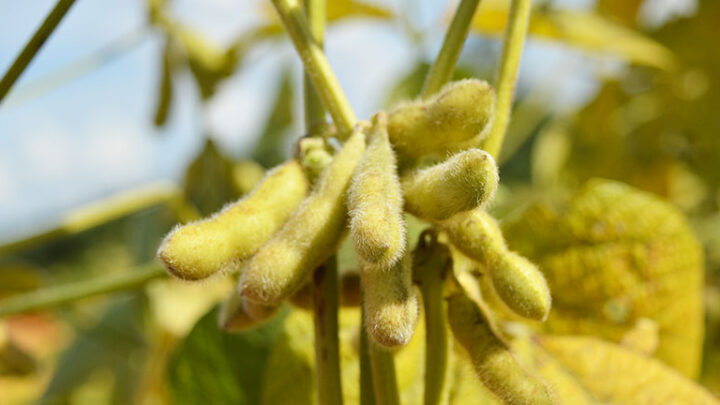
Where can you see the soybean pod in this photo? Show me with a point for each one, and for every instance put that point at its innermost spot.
(221, 242)
(309, 237)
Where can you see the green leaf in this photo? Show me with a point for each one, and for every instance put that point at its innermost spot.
(613, 255)
(213, 367)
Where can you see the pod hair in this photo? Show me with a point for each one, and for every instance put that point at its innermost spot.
(493, 361)
(456, 117)
(461, 183)
(220, 243)
(309, 237)
(390, 302)
(375, 203)
(518, 282)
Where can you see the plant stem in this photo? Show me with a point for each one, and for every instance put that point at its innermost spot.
(444, 65)
(31, 48)
(316, 65)
(327, 347)
(325, 291)
(314, 110)
(62, 294)
(367, 390)
(436, 339)
(383, 371)
(515, 34)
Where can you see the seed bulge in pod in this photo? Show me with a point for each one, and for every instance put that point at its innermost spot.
(521, 286)
(493, 361)
(456, 117)
(390, 302)
(476, 234)
(461, 183)
(199, 249)
(309, 237)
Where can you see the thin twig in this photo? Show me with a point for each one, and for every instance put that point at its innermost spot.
(33, 46)
(77, 69)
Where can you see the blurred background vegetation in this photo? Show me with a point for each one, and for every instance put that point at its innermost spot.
(641, 107)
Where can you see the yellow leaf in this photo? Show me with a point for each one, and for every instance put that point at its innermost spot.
(584, 30)
(612, 256)
(608, 373)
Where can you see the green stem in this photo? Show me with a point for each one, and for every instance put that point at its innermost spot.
(314, 110)
(383, 371)
(367, 390)
(436, 339)
(515, 34)
(444, 65)
(316, 64)
(326, 296)
(62, 294)
(327, 346)
(33, 46)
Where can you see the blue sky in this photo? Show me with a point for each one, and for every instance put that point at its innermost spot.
(93, 137)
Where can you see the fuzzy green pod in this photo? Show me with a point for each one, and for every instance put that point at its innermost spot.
(375, 202)
(521, 286)
(221, 242)
(476, 234)
(461, 183)
(390, 302)
(517, 281)
(309, 237)
(238, 315)
(493, 361)
(458, 116)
